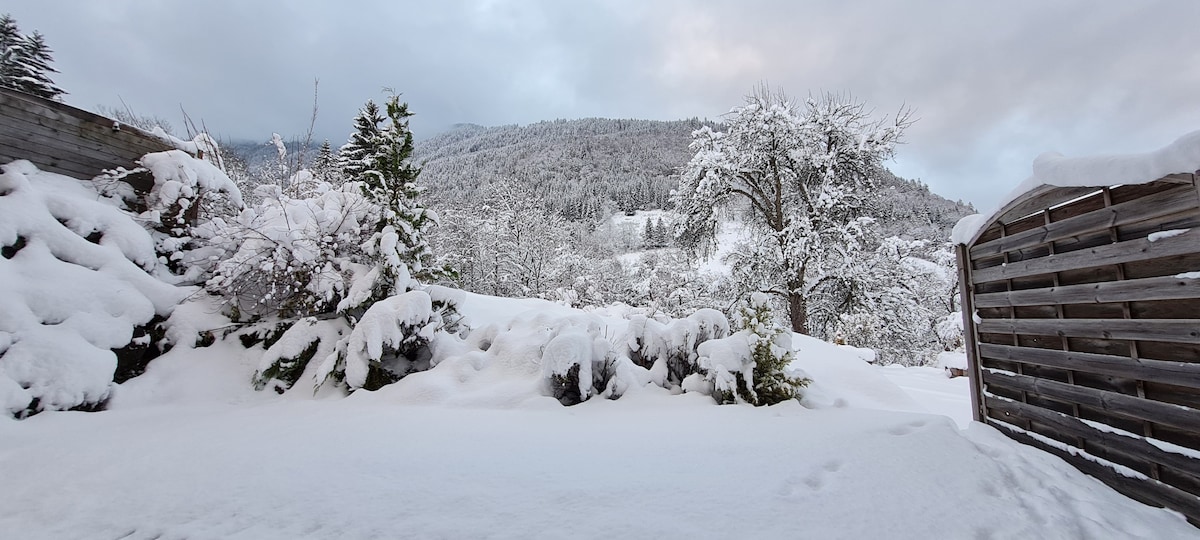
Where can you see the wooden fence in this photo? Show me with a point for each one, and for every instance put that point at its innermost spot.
(62, 139)
(1085, 334)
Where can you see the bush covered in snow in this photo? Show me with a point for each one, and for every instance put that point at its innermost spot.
(77, 281)
(292, 257)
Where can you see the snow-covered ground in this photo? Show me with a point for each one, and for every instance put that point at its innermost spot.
(189, 450)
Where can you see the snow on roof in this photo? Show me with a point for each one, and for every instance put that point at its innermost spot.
(1054, 169)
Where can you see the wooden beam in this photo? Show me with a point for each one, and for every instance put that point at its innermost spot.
(1157, 205)
(1133, 407)
(1175, 373)
(1157, 288)
(1169, 330)
(1140, 249)
(970, 335)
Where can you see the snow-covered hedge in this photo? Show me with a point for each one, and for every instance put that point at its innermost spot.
(77, 277)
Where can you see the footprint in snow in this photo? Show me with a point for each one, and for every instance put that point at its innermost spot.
(907, 428)
(814, 481)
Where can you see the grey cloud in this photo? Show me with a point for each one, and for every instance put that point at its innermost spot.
(994, 83)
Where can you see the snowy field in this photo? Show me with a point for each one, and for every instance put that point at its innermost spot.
(188, 450)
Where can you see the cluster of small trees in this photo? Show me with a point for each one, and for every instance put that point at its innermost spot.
(25, 61)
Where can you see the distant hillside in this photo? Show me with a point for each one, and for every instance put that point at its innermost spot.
(586, 168)
(590, 168)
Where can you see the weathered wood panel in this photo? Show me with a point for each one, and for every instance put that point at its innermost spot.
(62, 139)
(1172, 330)
(1083, 320)
(1159, 288)
(1160, 204)
(1122, 252)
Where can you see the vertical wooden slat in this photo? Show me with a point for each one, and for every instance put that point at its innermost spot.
(966, 302)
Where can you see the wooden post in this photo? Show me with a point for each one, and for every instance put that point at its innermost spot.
(970, 341)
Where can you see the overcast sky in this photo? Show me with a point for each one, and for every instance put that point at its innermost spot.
(993, 83)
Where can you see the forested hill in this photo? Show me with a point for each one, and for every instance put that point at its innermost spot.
(589, 168)
(585, 169)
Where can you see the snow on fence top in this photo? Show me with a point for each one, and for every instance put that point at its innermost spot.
(1081, 302)
(1055, 170)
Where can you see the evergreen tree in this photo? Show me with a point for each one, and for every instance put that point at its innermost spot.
(648, 239)
(379, 155)
(10, 39)
(325, 166)
(25, 61)
(771, 352)
(355, 156)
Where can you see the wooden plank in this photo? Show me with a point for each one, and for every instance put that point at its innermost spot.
(970, 337)
(59, 125)
(1153, 206)
(97, 138)
(1120, 444)
(1144, 490)
(1170, 330)
(53, 157)
(1176, 373)
(1158, 288)
(1134, 250)
(66, 146)
(1133, 407)
(1038, 199)
(57, 164)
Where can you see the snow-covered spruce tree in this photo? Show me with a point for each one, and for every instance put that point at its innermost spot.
(802, 170)
(379, 156)
(25, 61)
(752, 365)
(355, 157)
(325, 166)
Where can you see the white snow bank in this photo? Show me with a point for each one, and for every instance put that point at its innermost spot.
(67, 301)
(1053, 169)
(655, 466)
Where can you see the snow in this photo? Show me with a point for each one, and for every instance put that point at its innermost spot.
(1052, 169)
(1188, 275)
(178, 177)
(68, 301)
(1156, 236)
(650, 466)
(476, 446)
(952, 359)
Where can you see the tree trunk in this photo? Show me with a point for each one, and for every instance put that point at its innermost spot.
(798, 311)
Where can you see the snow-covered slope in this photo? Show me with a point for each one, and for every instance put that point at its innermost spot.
(477, 450)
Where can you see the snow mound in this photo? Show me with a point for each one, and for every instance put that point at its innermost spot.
(1053, 169)
(74, 284)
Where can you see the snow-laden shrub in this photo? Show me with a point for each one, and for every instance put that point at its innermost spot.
(287, 357)
(752, 365)
(578, 362)
(390, 340)
(669, 350)
(173, 189)
(75, 283)
(293, 257)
